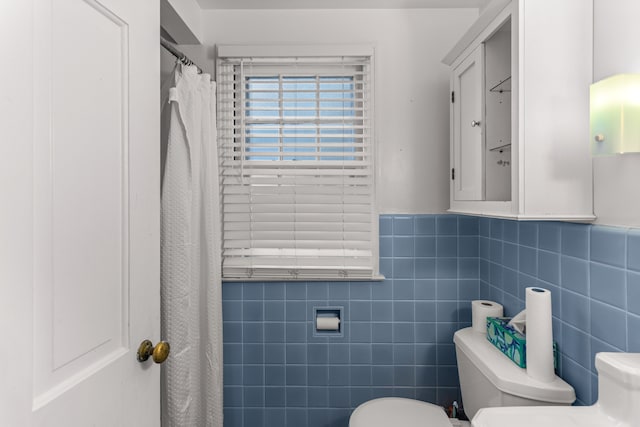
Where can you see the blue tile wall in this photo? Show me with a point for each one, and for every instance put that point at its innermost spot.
(592, 272)
(397, 337)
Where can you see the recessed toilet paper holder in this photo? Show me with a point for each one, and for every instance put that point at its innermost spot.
(327, 321)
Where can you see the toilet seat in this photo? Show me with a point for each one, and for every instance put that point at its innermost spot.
(398, 412)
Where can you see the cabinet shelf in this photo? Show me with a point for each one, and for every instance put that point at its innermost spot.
(503, 86)
(501, 148)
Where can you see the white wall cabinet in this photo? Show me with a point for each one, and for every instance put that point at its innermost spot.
(520, 81)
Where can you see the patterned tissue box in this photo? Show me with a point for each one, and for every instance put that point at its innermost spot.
(511, 342)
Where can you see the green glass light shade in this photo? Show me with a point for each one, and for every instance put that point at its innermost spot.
(615, 115)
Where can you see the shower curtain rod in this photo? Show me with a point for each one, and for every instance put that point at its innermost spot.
(175, 52)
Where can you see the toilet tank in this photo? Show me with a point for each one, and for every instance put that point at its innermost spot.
(488, 378)
(619, 386)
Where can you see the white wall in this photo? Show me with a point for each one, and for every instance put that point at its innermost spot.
(617, 178)
(412, 86)
(412, 129)
(182, 19)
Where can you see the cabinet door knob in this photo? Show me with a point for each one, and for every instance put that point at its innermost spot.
(475, 123)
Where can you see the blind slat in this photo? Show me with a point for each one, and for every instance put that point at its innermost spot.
(320, 256)
(338, 125)
(262, 200)
(288, 226)
(296, 189)
(305, 242)
(307, 208)
(274, 184)
(258, 217)
(233, 168)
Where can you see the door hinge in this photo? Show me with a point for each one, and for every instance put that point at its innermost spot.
(453, 97)
(453, 173)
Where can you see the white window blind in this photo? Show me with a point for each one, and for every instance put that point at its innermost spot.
(296, 168)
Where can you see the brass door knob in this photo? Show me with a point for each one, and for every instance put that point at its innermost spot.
(159, 353)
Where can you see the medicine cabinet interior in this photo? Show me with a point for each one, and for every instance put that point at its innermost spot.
(481, 107)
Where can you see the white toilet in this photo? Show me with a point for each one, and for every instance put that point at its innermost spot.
(618, 401)
(487, 379)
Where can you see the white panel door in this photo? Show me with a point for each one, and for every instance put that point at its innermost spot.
(468, 124)
(90, 115)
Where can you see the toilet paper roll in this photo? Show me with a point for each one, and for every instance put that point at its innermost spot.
(480, 310)
(327, 323)
(539, 335)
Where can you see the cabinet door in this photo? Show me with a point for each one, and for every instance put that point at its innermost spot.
(468, 124)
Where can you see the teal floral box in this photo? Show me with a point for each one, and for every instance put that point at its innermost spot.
(511, 342)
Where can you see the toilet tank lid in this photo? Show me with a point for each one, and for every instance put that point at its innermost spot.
(505, 375)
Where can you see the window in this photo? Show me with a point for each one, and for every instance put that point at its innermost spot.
(296, 168)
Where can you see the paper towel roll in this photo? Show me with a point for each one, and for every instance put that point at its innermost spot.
(480, 310)
(539, 335)
(327, 323)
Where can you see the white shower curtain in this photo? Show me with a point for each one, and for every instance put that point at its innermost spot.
(190, 274)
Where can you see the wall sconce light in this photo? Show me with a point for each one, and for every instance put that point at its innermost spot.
(615, 115)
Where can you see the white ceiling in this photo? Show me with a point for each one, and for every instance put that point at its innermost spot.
(340, 4)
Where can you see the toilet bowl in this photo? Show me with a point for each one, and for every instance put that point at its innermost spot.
(398, 411)
(487, 379)
(618, 401)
